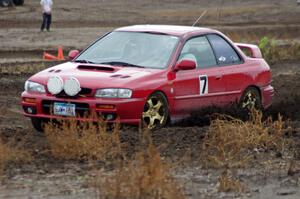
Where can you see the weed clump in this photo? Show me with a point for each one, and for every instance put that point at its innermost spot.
(231, 142)
(144, 176)
(274, 52)
(70, 140)
(228, 184)
(269, 49)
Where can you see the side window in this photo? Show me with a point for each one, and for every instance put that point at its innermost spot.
(224, 52)
(199, 49)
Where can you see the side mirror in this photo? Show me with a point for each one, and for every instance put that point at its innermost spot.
(72, 54)
(185, 64)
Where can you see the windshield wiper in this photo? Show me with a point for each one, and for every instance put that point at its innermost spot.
(119, 63)
(83, 61)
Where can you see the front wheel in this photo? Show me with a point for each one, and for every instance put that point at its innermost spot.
(156, 112)
(251, 99)
(38, 124)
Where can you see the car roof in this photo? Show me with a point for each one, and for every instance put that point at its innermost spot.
(166, 29)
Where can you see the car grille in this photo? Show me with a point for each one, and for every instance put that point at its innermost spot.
(82, 109)
(86, 92)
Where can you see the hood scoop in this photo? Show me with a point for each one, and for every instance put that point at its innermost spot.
(120, 76)
(95, 68)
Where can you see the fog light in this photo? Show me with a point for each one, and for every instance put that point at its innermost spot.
(30, 109)
(110, 117)
(105, 106)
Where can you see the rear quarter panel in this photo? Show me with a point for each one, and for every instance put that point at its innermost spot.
(258, 74)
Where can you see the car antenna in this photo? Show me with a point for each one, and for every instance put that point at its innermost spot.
(220, 12)
(202, 14)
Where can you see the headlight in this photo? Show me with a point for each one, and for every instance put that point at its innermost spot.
(114, 93)
(34, 87)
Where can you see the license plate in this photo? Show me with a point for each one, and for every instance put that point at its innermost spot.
(64, 109)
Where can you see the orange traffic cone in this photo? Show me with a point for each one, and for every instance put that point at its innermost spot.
(60, 54)
(48, 56)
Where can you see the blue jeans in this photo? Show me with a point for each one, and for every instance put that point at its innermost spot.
(46, 21)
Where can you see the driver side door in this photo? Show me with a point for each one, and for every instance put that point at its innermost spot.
(203, 86)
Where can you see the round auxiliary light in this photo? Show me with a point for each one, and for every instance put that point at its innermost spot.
(55, 85)
(72, 86)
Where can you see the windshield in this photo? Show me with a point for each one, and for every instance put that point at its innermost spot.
(136, 49)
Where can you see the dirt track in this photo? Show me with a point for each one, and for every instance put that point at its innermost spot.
(77, 24)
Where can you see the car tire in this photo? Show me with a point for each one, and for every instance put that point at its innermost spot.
(156, 111)
(250, 99)
(18, 2)
(38, 124)
(5, 3)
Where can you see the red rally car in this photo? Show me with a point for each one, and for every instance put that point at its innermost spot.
(150, 74)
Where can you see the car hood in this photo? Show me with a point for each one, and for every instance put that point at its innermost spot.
(98, 76)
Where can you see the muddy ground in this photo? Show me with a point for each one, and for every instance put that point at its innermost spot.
(75, 25)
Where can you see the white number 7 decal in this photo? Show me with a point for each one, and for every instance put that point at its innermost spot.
(203, 80)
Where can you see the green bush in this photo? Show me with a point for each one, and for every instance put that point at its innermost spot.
(270, 49)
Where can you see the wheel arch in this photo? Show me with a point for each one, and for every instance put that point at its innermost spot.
(162, 92)
(18, 2)
(252, 86)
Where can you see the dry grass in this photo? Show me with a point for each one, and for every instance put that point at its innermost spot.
(232, 143)
(145, 176)
(11, 153)
(142, 176)
(70, 140)
(228, 184)
(229, 143)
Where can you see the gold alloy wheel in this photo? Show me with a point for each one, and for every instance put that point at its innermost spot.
(154, 113)
(249, 101)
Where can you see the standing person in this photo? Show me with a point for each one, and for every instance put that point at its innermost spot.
(47, 9)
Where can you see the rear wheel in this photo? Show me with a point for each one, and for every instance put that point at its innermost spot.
(18, 2)
(156, 112)
(251, 99)
(5, 3)
(38, 124)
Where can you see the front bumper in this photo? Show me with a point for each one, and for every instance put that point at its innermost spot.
(127, 111)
